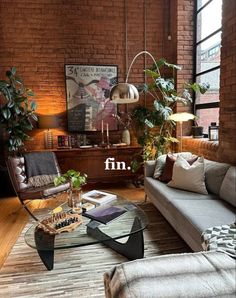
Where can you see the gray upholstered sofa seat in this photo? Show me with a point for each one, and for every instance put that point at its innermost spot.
(192, 213)
(204, 274)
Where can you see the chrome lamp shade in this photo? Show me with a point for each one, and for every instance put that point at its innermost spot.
(124, 93)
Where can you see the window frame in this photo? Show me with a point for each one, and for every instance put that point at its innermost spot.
(215, 104)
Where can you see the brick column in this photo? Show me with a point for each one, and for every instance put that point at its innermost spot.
(227, 135)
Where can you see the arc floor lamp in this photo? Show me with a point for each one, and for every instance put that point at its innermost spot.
(123, 93)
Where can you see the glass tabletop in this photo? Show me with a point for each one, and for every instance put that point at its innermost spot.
(120, 227)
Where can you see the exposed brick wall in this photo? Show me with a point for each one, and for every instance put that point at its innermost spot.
(227, 141)
(185, 41)
(40, 36)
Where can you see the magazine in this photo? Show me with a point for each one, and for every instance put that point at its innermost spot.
(98, 197)
(104, 214)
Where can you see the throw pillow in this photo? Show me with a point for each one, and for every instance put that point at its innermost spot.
(160, 162)
(166, 175)
(186, 177)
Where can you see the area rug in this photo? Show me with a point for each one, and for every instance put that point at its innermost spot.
(78, 272)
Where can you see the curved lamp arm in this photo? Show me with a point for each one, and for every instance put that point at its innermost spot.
(135, 57)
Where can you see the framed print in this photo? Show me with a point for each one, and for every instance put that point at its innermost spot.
(87, 93)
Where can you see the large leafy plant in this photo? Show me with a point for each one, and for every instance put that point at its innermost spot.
(17, 110)
(156, 131)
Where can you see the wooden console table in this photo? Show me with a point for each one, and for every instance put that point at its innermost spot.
(92, 162)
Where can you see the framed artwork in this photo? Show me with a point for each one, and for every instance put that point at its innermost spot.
(87, 93)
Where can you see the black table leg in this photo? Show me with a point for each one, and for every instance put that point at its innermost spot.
(132, 249)
(45, 247)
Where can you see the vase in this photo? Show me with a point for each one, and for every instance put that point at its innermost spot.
(126, 136)
(75, 197)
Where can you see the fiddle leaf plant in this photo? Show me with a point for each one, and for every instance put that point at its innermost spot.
(74, 177)
(17, 110)
(155, 128)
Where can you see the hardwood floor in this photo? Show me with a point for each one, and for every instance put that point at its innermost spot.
(13, 217)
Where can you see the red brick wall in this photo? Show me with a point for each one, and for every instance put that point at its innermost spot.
(227, 141)
(40, 36)
(185, 41)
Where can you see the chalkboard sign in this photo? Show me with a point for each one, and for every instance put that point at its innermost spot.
(87, 92)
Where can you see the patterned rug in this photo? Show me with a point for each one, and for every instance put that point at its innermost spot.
(78, 272)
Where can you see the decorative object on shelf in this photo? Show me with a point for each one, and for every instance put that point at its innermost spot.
(47, 122)
(76, 181)
(197, 132)
(126, 136)
(17, 111)
(63, 141)
(108, 136)
(87, 91)
(213, 131)
(124, 119)
(181, 117)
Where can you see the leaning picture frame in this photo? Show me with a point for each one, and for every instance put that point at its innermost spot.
(87, 93)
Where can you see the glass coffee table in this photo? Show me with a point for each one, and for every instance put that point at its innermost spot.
(129, 225)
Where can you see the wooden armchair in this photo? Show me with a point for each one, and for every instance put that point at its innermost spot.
(24, 191)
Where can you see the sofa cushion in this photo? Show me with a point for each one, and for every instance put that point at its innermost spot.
(191, 178)
(167, 172)
(196, 216)
(160, 162)
(204, 274)
(228, 187)
(214, 175)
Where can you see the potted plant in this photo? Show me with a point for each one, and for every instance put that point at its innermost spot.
(17, 111)
(197, 131)
(17, 115)
(76, 181)
(155, 128)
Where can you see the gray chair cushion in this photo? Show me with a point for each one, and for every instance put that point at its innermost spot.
(215, 173)
(228, 187)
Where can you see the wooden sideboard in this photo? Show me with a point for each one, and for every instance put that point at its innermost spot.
(92, 162)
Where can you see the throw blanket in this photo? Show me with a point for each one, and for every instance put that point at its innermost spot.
(40, 168)
(221, 238)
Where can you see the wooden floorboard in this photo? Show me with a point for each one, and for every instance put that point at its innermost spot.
(13, 217)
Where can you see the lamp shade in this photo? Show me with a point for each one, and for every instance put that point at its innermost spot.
(47, 121)
(181, 117)
(124, 93)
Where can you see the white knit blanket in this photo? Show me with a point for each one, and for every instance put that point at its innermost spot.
(220, 238)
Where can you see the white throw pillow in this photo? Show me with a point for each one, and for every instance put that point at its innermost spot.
(161, 160)
(191, 178)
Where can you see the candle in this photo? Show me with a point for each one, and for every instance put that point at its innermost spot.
(102, 126)
(107, 130)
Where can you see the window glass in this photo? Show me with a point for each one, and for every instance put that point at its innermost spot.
(206, 116)
(208, 53)
(209, 19)
(212, 95)
(200, 3)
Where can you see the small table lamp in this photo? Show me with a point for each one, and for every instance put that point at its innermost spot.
(47, 122)
(181, 117)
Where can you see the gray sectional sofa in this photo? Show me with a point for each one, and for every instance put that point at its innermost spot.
(192, 213)
(197, 274)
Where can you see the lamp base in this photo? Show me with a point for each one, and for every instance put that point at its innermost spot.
(48, 139)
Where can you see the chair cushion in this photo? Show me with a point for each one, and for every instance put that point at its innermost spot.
(43, 192)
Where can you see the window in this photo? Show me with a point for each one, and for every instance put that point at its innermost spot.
(207, 67)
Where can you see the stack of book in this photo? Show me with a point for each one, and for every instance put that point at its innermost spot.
(98, 197)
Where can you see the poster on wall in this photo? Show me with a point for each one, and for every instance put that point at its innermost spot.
(87, 93)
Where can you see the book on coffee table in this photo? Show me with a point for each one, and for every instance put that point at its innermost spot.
(98, 197)
(105, 214)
